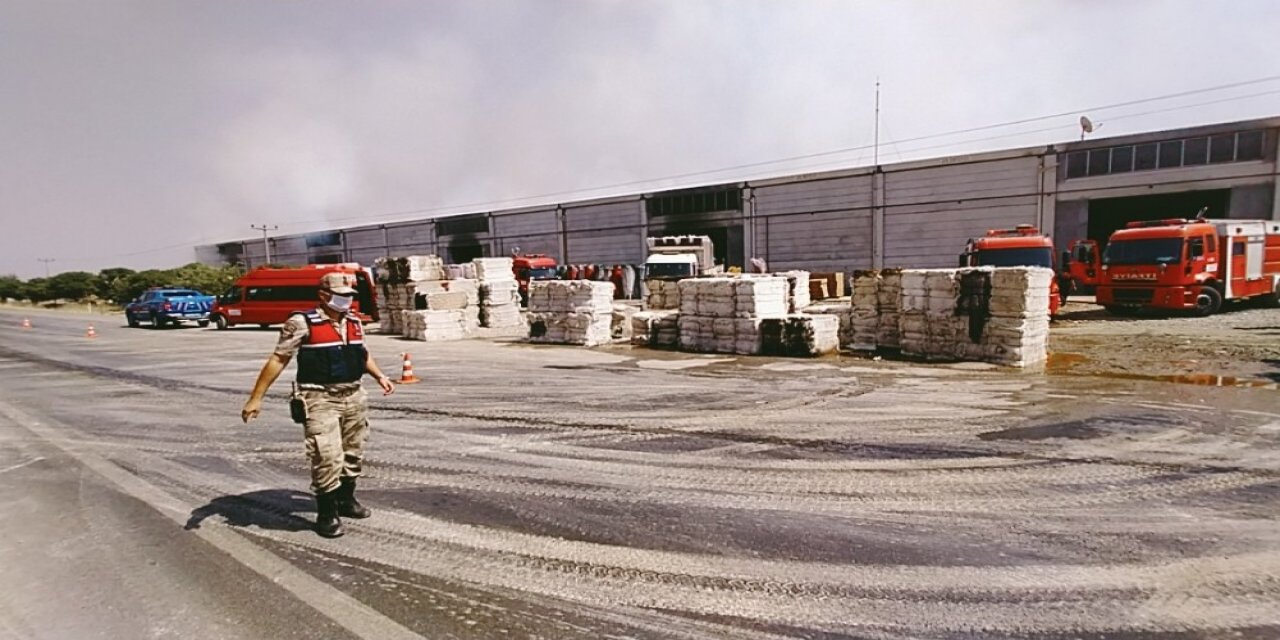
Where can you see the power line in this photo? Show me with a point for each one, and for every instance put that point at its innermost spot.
(389, 217)
(807, 156)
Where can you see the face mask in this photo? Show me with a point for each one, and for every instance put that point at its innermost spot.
(341, 304)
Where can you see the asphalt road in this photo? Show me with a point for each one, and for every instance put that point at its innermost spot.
(538, 492)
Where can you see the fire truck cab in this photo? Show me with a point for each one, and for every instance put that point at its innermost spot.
(531, 266)
(1190, 265)
(1022, 246)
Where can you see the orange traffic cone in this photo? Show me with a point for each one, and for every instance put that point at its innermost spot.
(406, 374)
(26, 323)
(90, 333)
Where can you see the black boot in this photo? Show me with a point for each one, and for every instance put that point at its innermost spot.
(348, 506)
(327, 522)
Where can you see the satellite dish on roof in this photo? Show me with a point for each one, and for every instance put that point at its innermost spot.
(1087, 126)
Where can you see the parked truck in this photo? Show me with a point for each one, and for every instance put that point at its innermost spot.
(1022, 246)
(531, 266)
(1190, 265)
(160, 306)
(679, 257)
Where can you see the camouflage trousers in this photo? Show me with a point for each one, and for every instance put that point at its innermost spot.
(336, 428)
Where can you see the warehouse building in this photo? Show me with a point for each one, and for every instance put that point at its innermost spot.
(913, 214)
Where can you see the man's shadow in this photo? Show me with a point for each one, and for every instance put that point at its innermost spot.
(268, 509)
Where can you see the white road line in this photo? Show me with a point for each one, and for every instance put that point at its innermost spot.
(348, 612)
(21, 465)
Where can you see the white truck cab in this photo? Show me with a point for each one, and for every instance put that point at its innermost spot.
(678, 257)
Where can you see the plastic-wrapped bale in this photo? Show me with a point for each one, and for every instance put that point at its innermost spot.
(493, 269)
(798, 290)
(663, 294)
(865, 311)
(565, 296)
(404, 269)
(571, 312)
(443, 301)
(913, 319)
(393, 299)
(471, 319)
(696, 333)
(808, 336)
(747, 338)
(501, 317)
(709, 297)
(500, 304)
(588, 329)
(759, 297)
(842, 312)
(888, 306)
(434, 326)
(468, 286)
(621, 328)
(648, 328)
(1017, 332)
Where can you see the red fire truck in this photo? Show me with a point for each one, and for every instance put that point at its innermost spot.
(531, 266)
(1022, 246)
(268, 295)
(1192, 265)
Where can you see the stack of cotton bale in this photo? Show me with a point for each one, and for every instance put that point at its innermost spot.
(434, 325)
(1016, 332)
(404, 269)
(865, 305)
(663, 294)
(842, 311)
(723, 315)
(800, 335)
(798, 290)
(471, 289)
(888, 305)
(659, 329)
(499, 294)
(571, 312)
(393, 300)
(928, 326)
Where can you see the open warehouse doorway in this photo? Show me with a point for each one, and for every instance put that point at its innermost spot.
(1106, 215)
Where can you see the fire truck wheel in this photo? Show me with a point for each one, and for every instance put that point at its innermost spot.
(220, 322)
(1208, 302)
(1272, 300)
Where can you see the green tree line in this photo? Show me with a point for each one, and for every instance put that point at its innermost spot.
(117, 285)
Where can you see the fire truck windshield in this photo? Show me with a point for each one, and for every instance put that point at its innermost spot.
(1022, 257)
(542, 273)
(1146, 251)
(668, 270)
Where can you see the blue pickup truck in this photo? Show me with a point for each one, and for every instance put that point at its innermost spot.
(162, 306)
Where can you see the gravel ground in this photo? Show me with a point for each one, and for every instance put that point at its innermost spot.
(1239, 346)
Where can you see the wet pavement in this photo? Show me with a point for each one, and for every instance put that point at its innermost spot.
(536, 492)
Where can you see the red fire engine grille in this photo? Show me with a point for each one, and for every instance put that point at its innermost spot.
(1132, 296)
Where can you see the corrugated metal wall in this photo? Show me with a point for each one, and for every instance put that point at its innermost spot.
(412, 238)
(820, 225)
(531, 231)
(929, 213)
(365, 244)
(606, 233)
(289, 250)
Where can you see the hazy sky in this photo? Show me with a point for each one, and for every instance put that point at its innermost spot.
(132, 131)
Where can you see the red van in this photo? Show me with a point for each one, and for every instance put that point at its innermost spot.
(267, 296)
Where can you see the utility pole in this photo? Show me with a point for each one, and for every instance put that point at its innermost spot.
(876, 153)
(46, 262)
(266, 245)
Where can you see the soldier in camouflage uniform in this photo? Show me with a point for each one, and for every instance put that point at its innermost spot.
(329, 343)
